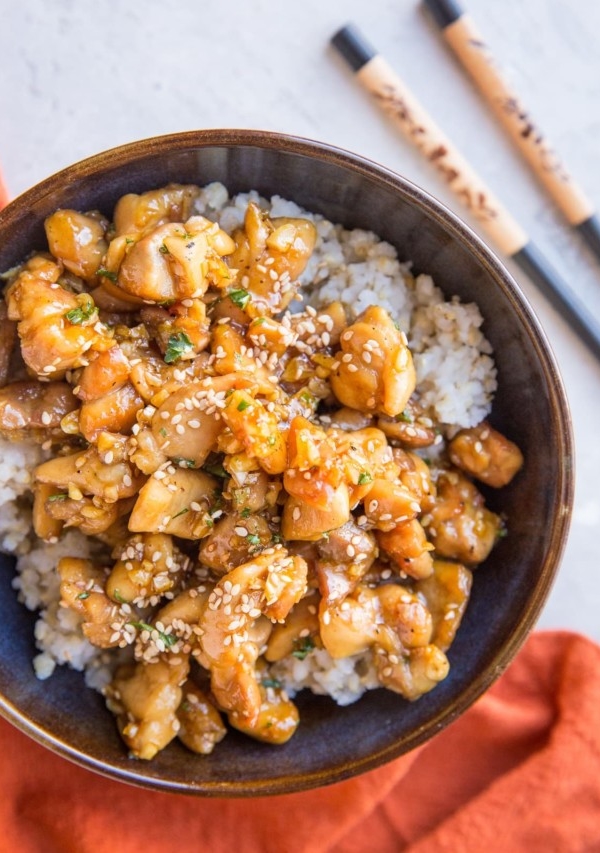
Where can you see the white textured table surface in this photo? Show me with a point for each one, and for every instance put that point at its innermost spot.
(80, 76)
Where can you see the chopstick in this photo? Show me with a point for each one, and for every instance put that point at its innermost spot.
(394, 98)
(461, 33)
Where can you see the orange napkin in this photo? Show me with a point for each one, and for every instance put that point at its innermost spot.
(520, 771)
(3, 193)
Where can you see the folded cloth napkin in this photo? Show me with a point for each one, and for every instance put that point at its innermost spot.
(519, 771)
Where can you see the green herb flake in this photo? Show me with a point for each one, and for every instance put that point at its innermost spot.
(181, 512)
(246, 512)
(239, 297)
(183, 462)
(179, 344)
(118, 597)
(364, 477)
(277, 539)
(104, 273)
(253, 539)
(59, 496)
(79, 315)
(163, 432)
(405, 417)
(271, 682)
(303, 647)
(216, 469)
(83, 595)
(242, 405)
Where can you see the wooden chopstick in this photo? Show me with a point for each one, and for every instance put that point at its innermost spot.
(394, 98)
(461, 33)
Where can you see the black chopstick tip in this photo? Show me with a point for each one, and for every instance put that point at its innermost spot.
(444, 12)
(352, 45)
(590, 231)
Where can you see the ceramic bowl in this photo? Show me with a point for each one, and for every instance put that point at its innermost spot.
(332, 743)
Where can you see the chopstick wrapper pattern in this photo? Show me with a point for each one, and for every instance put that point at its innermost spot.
(467, 43)
(382, 82)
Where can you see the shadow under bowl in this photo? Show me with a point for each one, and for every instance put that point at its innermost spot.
(332, 743)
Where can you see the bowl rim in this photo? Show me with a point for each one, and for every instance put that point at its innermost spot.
(471, 242)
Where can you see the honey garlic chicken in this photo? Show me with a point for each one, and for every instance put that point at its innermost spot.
(260, 485)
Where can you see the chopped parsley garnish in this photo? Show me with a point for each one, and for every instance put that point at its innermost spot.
(243, 404)
(277, 538)
(405, 417)
(104, 273)
(59, 496)
(168, 639)
(216, 469)
(364, 477)
(253, 538)
(118, 597)
(179, 344)
(163, 432)
(271, 682)
(303, 647)
(181, 512)
(83, 312)
(246, 512)
(84, 595)
(239, 297)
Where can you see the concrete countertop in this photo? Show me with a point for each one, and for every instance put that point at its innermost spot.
(79, 77)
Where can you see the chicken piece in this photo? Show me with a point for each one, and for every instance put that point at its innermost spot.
(407, 546)
(8, 340)
(345, 556)
(486, 454)
(78, 240)
(107, 371)
(389, 503)
(176, 261)
(190, 434)
(34, 410)
(414, 473)
(249, 488)
(45, 525)
(135, 215)
(258, 430)
(182, 615)
(57, 328)
(149, 565)
(299, 633)
(277, 718)
(181, 331)
(459, 525)
(313, 471)
(388, 617)
(146, 698)
(269, 585)
(201, 726)
(177, 503)
(116, 411)
(87, 473)
(82, 589)
(411, 427)
(350, 420)
(375, 371)
(270, 255)
(300, 520)
(231, 354)
(92, 516)
(234, 540)
(446, 593)
(412, 673)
